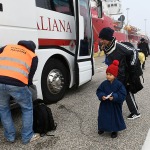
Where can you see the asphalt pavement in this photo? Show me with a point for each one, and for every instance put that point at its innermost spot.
(76, 116)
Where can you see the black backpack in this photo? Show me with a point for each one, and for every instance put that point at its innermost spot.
(43, 121)
(135, 84)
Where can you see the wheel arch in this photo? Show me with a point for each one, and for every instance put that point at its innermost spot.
(63, 60)
(48, 96)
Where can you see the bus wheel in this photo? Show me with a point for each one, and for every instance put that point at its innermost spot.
(54, 81)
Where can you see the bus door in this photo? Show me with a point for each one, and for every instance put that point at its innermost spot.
(84, 53)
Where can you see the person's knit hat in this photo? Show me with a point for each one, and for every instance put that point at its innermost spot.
(142, 39)
(113, 68)
(106, 34)
(28, 44)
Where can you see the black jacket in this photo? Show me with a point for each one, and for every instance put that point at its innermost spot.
(127, 58)
(15, 82)
(143, 46)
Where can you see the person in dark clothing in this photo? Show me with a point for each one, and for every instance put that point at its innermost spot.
(128, 58)
(138, 70)
(18, 63)
(144, 48)
(111, 93)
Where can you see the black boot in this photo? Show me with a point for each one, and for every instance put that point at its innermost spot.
(100, 132)
(114, 134)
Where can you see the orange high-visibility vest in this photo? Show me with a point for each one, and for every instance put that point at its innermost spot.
(15, 62)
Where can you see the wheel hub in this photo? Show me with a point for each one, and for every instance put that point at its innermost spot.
(55, 81)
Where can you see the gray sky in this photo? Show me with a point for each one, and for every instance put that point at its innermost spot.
(138, 11)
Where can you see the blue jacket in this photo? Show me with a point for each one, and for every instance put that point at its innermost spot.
(110, 112)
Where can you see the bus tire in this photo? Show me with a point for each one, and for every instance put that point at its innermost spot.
(55, 81)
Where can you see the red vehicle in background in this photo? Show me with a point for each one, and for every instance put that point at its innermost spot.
(103, 12)
(101, 18)
(134, 35)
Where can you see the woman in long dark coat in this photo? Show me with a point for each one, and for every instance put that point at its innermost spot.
(111, 93)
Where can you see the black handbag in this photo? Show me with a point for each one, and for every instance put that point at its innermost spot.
(135, 85)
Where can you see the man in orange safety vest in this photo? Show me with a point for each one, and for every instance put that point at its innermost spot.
(18, 64)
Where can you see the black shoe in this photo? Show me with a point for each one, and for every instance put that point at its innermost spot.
(100, 132)
(114, 134)
(134, 116)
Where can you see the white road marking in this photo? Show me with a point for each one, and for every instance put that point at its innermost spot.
(146, 145)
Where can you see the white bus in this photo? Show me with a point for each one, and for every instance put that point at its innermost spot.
(62, 31)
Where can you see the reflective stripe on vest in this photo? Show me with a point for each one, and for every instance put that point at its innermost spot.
(14, 69)
(15, 62)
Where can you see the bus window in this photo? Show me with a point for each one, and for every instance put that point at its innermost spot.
(64, 6)
(43, 4)
(85, 44)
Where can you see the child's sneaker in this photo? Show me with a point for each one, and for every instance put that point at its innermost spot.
(35, 137)
(134, 116)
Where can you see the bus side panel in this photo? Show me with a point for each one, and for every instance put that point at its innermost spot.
(85, 72)
(17, 21)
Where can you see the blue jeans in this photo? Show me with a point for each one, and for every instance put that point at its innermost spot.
(23, 97)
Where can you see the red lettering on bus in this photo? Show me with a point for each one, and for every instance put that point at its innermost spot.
(49, 23)
(38, 26)
(68, 28)
(53, 25)
(62, 25)
(42, 24)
